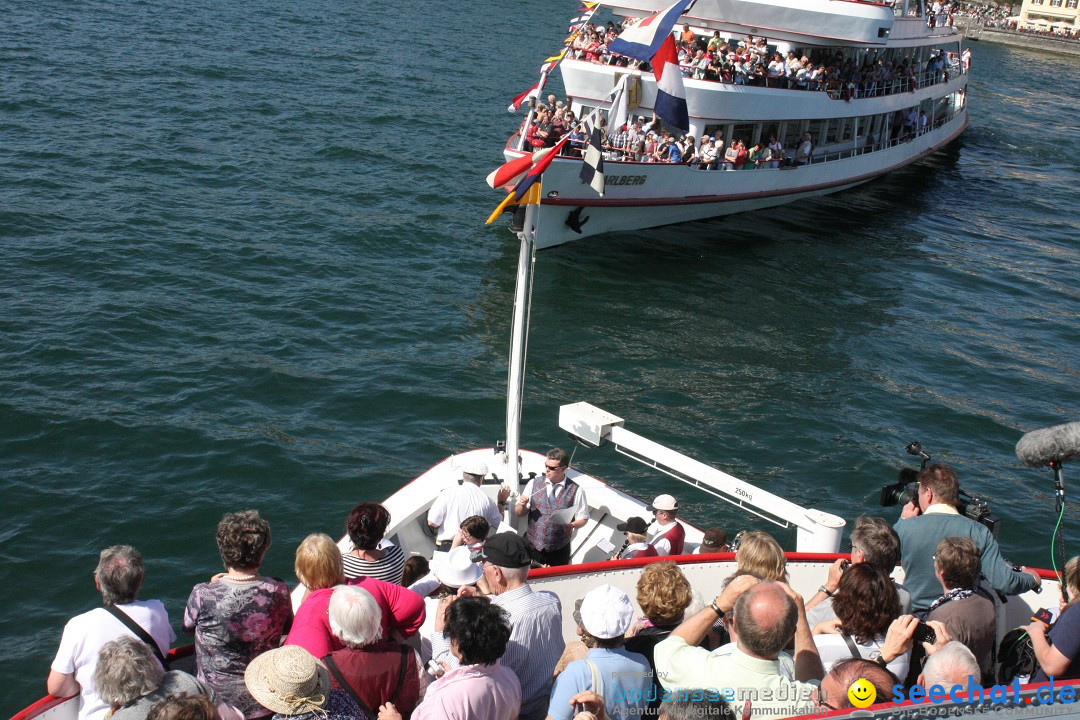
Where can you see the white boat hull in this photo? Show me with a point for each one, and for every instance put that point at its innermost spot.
(645, 195)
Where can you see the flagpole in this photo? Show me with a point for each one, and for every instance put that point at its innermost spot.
(519, 342)
(550, 65)
(535, 101)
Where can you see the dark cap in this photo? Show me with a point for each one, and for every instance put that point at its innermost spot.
(636, 525)
(506, 549)
(713, 539)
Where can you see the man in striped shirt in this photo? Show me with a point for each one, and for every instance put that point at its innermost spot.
(536, 641)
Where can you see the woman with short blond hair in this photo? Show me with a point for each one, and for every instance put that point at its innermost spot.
(761, 556)
(319, 567)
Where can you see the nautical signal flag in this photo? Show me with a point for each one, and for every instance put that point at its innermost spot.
(650, 40)
(513, 171)
(530, 93)
(592, 168)
(527, 190)
(642, 40)
(532, 197)
(670, 103)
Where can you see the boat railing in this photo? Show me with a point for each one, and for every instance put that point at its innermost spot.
(904, 137)
(892, 86)
(816, 158)
(840, 89)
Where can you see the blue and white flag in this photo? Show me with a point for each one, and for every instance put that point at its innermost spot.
(642, 40)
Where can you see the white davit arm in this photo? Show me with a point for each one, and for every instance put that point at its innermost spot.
(817, 531)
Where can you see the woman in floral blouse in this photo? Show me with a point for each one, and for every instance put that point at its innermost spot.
(239, 614)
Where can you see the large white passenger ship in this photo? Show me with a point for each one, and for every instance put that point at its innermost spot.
(862, 121)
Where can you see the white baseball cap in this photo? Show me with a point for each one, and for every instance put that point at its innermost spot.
(664, 502)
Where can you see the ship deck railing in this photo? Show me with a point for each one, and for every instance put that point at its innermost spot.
(816, 158)
(838, 89)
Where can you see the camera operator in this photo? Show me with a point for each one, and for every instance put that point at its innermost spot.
(922, 526)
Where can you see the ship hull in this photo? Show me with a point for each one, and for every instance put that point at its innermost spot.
(648, 195)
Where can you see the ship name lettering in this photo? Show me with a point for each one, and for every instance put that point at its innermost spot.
(625, 180)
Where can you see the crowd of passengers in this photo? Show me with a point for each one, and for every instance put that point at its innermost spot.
(642, 140)
(751, 61)
(465, 636)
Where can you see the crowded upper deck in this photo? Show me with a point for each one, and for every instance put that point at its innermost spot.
(843, 74)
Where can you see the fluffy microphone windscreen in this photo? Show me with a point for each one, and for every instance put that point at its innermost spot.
(1060, 443)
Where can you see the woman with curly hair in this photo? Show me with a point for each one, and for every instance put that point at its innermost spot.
(761, 556)
(663, 593)
(239, 614)
(866, 603)
(371, 555)
(479, 688)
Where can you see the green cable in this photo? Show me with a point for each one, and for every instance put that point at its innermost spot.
(1054, 547)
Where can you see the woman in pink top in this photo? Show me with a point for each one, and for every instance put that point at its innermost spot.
(480, 689)
(319, 568)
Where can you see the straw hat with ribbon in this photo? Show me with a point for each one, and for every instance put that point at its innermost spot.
(289, 681)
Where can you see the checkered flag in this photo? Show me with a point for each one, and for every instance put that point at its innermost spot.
(592, 169)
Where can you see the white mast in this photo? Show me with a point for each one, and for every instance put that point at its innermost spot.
(519, 342)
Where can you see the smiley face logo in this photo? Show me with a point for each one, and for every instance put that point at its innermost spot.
(862, 693)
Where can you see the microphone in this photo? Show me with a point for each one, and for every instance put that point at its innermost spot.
(1050, 446)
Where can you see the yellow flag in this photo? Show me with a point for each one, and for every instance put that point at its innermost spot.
(531, 197)
(560, 56)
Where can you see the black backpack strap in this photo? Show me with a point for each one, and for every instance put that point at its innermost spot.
(336, 672)
(401, 670)
(139, 631)
(851, 645)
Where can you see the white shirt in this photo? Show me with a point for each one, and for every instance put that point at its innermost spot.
(84, 635)
(580, 506)
(457, 503)
(833, 648)
(663, 547)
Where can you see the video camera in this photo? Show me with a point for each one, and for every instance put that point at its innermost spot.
(906, 489)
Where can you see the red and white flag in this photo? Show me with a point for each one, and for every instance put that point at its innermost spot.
(513, 171)
(531, 92)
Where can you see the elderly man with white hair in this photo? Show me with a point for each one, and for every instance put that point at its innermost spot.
(953, 664)
(373, 670)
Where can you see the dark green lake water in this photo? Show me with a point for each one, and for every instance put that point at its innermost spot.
(244, 266)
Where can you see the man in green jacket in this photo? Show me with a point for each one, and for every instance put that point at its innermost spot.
(922, 526)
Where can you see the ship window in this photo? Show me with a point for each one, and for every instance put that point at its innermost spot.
(721, 130)
(793, 130)
(744, 132)
(846, 131)
(832, 131)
